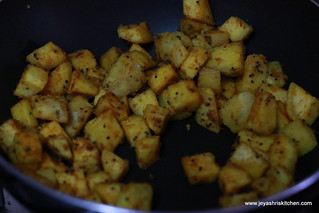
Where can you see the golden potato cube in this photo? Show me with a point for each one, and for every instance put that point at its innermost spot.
(255, 73)
(301, 104)
(109, 57)
(210, 39)
(135, 196)
(22, 112)
(228, 87)
(147, 151)
(160, 78)
(140, 101)
(283, 153)
(135, 128)
(28, 147)
(125, 76)
(93, 196)
(48, 174)
(114, 166)
(280, 94)
(104, 131)
(207, 114)
(228, 59)
(245, 157)
(237, 199)
(79, 112)
(73, 182)
(84, 61)
(8, 130)
(54, 164)
(142, 59)
(189, 26)
(32, 81)
(198, 10)
(283, 118)
(53, 108)
(109, 192)
(237, 28)
(156, 118)
(210, 78)
(59, 80)
(193, 63)
(302, 135)
(200, 168)
(50, 129)
(275, 74)
(235, 111)
(47, 57)
(85, 155)
(256, 141)
(263, 116)
(111, 102)
(138, 33)
(233, 178)
(60, 145)
(81, 85)
(95, 178)
(139, 48)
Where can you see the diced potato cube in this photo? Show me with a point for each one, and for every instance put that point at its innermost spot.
(8, 131)
(200, 168)
(301, 104)
(207, 114)
(156, 118)
(113, 165)
(60, 145)
(47, 57)
(237, 199)
(95, 178)
(93, 196)
(210, 78)
(48, 174)
(256, 141)
(233, 178)
(283, 118)
(104, 131)
(84, 61)
(110, 57)
(228, 59)
(85, 155)
(142, 59)
(255, 73)
(135, 196)
(109, 192)
(283, 152)
(59, 80)
(228, 86)
(22, 112)
(79, 112)
(81, 85)
(140, 101)
(198, 10)
(193, 63)
(210, 39)
(236, 110)
(135, 128)
(52, 128)
(73, 182)
(245, 157)
(275, 74)
(28, 147)
(136, 33)
(32, 81)
(53, 108)
(54, 164)
(139, 48)
(147, 151)
(189, 26)
(237, 28)
(160, 78)
(280, 94)
(302, 135)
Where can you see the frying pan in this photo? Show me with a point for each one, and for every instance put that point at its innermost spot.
(285, 30)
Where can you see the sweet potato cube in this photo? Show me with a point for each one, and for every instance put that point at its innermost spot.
(81, 85)
(237, 28)
(200, 168)
(156, 118)
(135, 196)
(32, 81)
(189, 26)
(22, 112)
(147, 151)
(138, 33)
(60, 145)
(109, 192)
(237, 199)
(8, 131)
(95, 178)
(140, 101)
(198, 10)
(193, 63)
(28, 147)
(47, 57)
(210, 78)
(113, 165)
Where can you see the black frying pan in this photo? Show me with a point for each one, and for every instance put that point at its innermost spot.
(286, 30)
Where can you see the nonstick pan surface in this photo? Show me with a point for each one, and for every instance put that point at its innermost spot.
(286, 30)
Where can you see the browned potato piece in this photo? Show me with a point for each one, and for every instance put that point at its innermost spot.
(113, 165)
(84, 61)
(85, 155)
(135, 196)
(28, 148)
(140, 101)
(142, 59)
(200, 168)
(95, 178)
(110, 57)
(8, 131)
(139, 48)
(54, 164)
(52, 128)
(198, 10)
(237, 28)
(189, 26)
(256, 141)
(81, 85)
(228, 87)
(283, 118)
(210, 78)
(193, 63)
(147, 151)
(52, 108)
(22, 112)
(210, 39)
(275, 74)
(156, 118)
(109, 192)
(279, 93)
(60, 145)
(135, 33)
(47, 56)
(32, 81)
